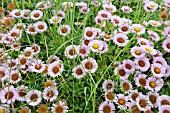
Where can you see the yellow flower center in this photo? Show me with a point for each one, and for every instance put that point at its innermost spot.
(157, 70)
(155, 23)
(152, 84)
(2, 111)
(137, 52)
(152, 5)
(107, 36)
(148, 49)
(137, 29)
(95, 46)
(55, 20)
(67, 4)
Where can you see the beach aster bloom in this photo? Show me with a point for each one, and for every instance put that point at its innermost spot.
(106, 107)
(34, 97)
(90, 65)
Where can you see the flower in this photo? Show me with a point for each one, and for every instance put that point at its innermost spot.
(133, 107)
(37, 66)
(140, 80)
(108, 85)
(142, 64)
(90, 65)
(150, 6)
(36, 14)
(83, 51)
(78, 72)
(124, 28)
(109, 96)
(149, 49)
(106, 107)
(109, 7)
(50, 93)
(8, 95)
(160, 60)
(137, 52)
(166, 45)
(133, 94)
(71, 51)
(36, 48)
(154, 23)
(31, 30)
(153, 98)
(143, 102)
(100, 21)
(120, 39)
(3, 73)
(25, 110)
(90, 33)
(64, 30)
(157, 70)
(104, 14)
(15, 76)
(164, 100)
(22, 92)
(16, 13)
(34, 97)
(55, 69)
(126, 9)
(164, 109)
(95, 45)
(138, 29)
(42, 109)
(40, 26)
(55, 20)
(126, 86)
(121, 72)
(85, 10)
(116, 20)
(153, 35)
(154, 83)
(60, 107)
(129, 65)
(122, 101)
(25, 13)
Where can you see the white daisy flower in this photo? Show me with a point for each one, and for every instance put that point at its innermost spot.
(95, 45)
(121, 101)
(158, 70)
(71, 51)
(106, 107)
(36, 14)
(50, 93)
(60, 107)
(78, 72)
(55, 69)
(34, 97)
(38, 66)
(153, 98)
(90, 65)
(55, 20)
(40, 26)
(143, 102)
(31, 30)
(153, 35)
(22, 92)
(126, 9)
(120, 39)
(64, 30)
(164, 109)
(15, 76)
(142, 64)
(164, 100)
(90, 33)
(108, 85)
(137, 52)
(138, 29)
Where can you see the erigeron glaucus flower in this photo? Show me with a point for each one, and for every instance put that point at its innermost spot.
(154, 23)
(126, 9)
(60, 14)
(15, 33)
(3, 73)
(143, 41)
(167, 3)
(108, 85)
(31, 30)
(105, 48)
(15, 76)
(90, 33)
(153, 98)
(142, 64)
(85, 42)
(23, 61)
(158, 70)
(120, 39)
(53, 59)
(167, 71)
(119, 70)
(50, 83)
(34, 97)
(106, 107)
(4, 108)
(149, 49)
(154, 83)
(64, 30)
(133, 107)
(167, 22)
(59, 107)
(100, 21)
(36, 14)
(22, 92)
(166, 31)
(16, 13)
(109, 96)
(164, 108)
(43, 108)
(126, 86)
(160, 60)
(25, 110)
(67, 4)
(109, 7)
(98, 32)
(26, 13)
(121, 101)
(81, 4)
(12, 63)
(150, 6)
(95, 3)
(104, 14)
(133, 94)
(28, 52)
(85, 10)
(129, 65)
(55, 69)
(124, 28)
(106, 36)
(164, 100)
(166, 45)
(95, 45)
(25, 69)
(1, 38)
(36, 48)
(143, 102)
(78, 72)
(43, 5)
(40, 26)
(126, 21)
(38, 66)
(83, 51)
(55, 20)
(137, 52)
(138, 29)
(50, 93)
(71, 51)
(153, 35)
(90, 65)
(116, 20)
(8, 95)
(19, 26)
(140, 80)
